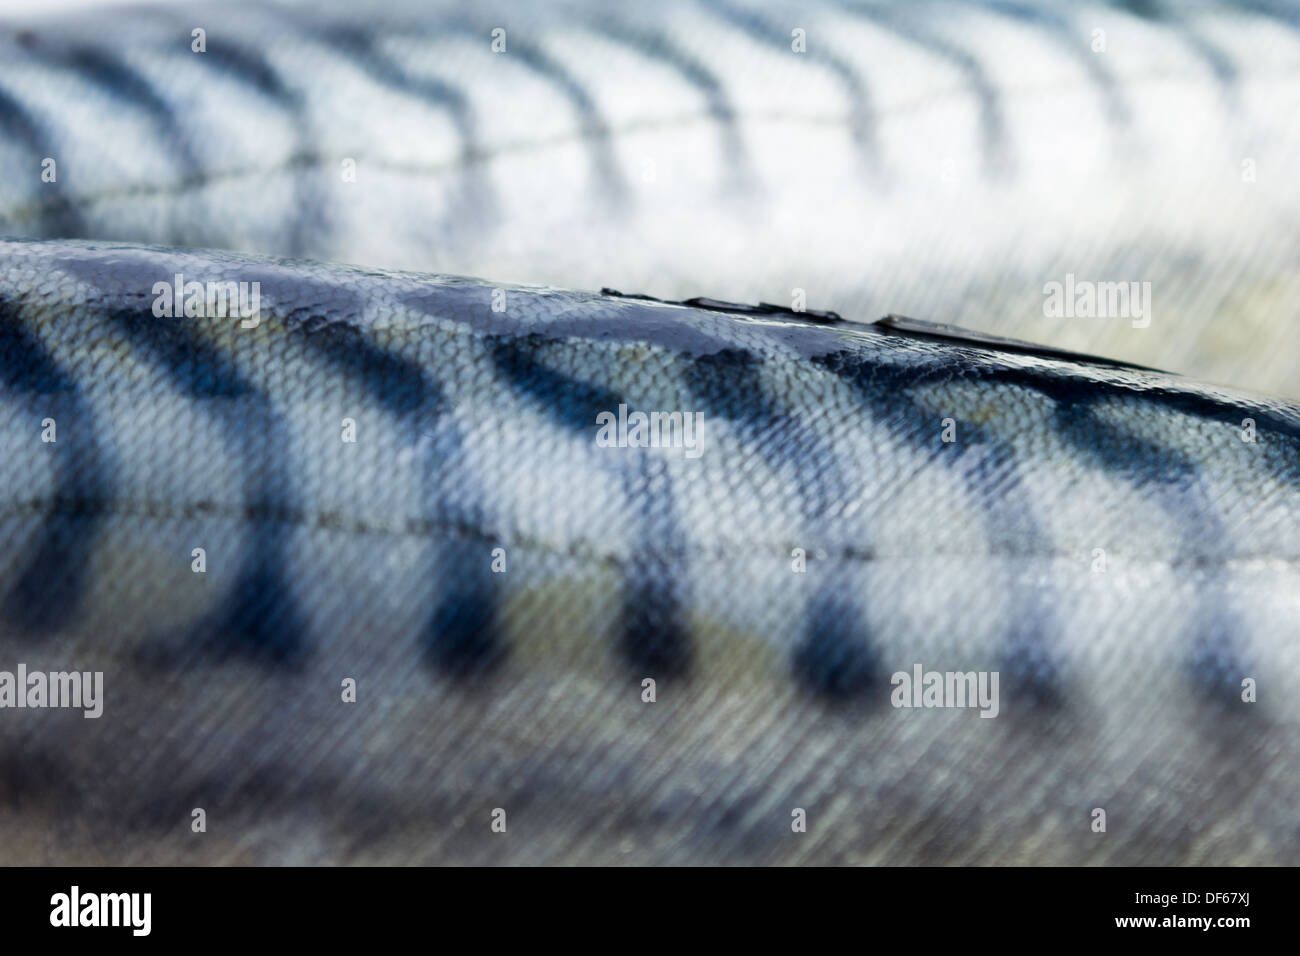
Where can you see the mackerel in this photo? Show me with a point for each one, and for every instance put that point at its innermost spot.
(1117, 545)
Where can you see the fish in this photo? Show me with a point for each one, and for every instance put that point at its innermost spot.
(965, 163)
(392, 567)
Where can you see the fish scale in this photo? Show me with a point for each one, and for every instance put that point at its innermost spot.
(521, 688)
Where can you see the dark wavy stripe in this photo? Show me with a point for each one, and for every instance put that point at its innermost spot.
(569, 403)
(58, 216)
(109, 75)
(655, 638)
(862, 115)
(242, 64)
(259, 619)
(1060, 29)
(1287, 14)
(728, 386)
(50, 588)
(1216, 658)
(462, 638)
(397, 384)
(476, 202)
(1224, 70)
(835, 657)
(1032, 670)
(1068, 388)
(596, 129)
(659, 46)
(993, 129)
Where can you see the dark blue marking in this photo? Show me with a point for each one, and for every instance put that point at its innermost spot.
(58, 216)
(1068, 389)
(246, 66)
(571, 403)
(1224, 70)
(1284, 13)
(461, 637)
(862, 117)
(993, 132)
(25, 364)
(464, 638)
(476, 203)
(360, 47)
(120, 82)
(646, 41)
(1058, 27)
(260, 620)
(887, 388)
(1217, 659)
(1117, 451)
(1146, 9)
(836, 658)
(654, 640)
(129, 88)
(399, 385)
(194, 367)
(595, 127)
(1030, 676)
(728, 384)
(48, 592)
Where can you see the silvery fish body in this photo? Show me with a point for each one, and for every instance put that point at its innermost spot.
(952, 161)
(434, 488)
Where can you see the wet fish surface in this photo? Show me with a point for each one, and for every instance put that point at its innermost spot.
(403, 480)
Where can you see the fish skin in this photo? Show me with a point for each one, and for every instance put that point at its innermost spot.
(522, 690)
(940, 160)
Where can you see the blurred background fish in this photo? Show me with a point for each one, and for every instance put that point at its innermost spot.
(968, 163)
